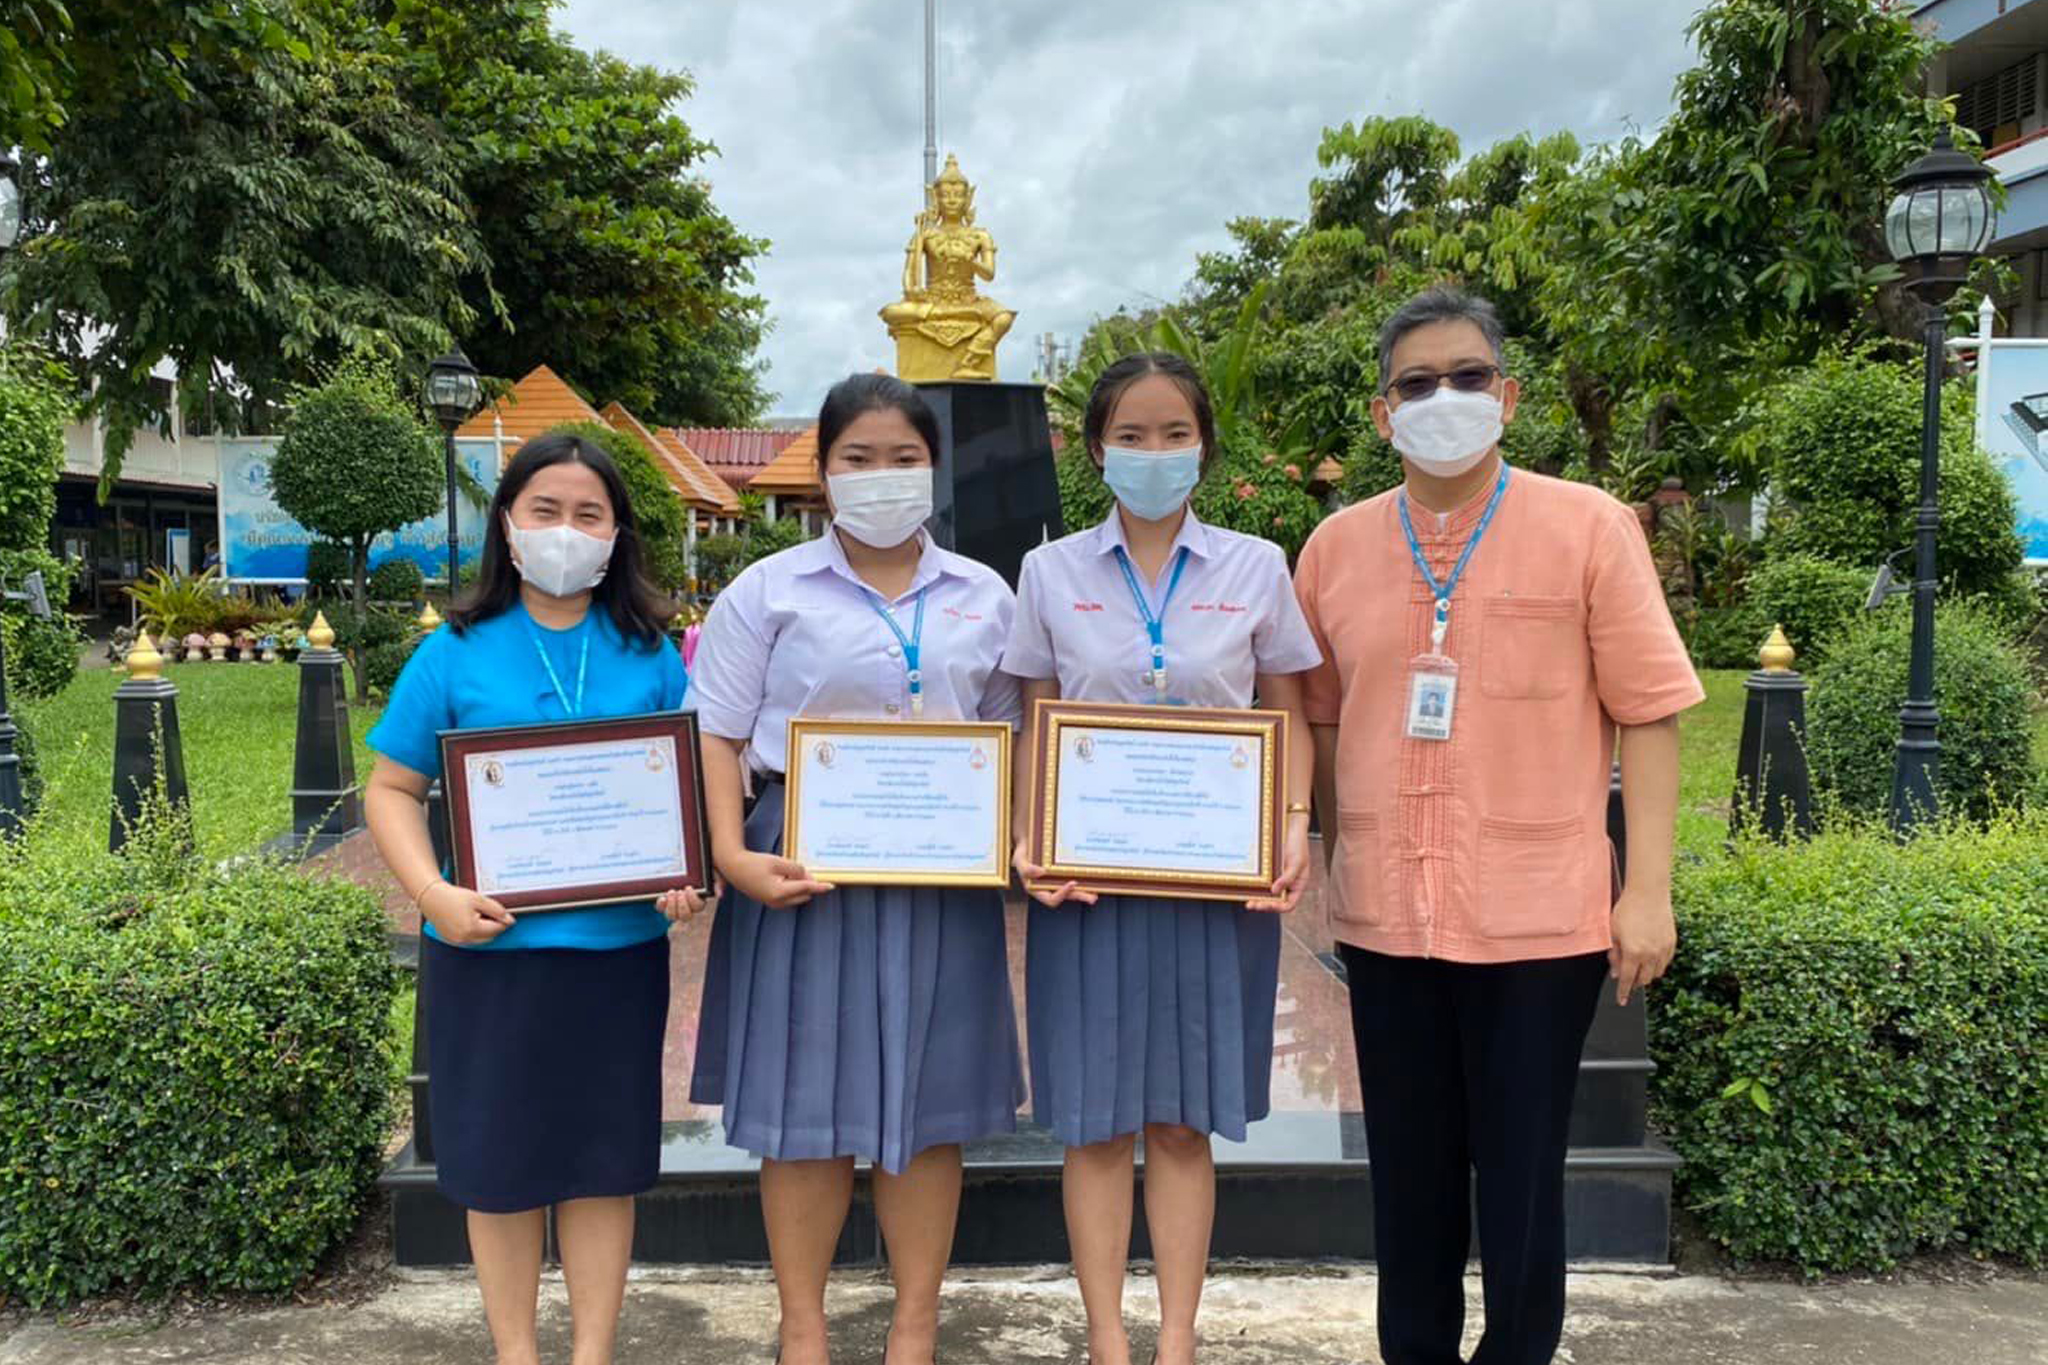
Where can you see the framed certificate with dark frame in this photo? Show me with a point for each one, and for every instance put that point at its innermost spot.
(899, 803)
(1158, 800)
(575, 813)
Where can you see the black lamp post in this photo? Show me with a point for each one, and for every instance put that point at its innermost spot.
(454, 393)
(10, 763)
(1941, 221)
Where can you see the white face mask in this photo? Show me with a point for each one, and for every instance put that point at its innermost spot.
(560, 560)
(1448, 432)
(883, 507)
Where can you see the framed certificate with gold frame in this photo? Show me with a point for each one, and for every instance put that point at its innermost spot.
(899, 803)
(1158, 800)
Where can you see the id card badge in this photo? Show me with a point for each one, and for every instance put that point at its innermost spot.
(1432, 696)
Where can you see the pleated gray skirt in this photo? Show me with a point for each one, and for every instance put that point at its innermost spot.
(872, 1022)
(1146, 1010)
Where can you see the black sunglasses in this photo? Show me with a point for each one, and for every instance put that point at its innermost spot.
(1420, 384)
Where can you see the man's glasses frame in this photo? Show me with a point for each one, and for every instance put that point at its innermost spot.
(1417, 385)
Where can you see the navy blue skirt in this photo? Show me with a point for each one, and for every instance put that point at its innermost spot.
(871, 1022)
(545, 1072)
(1145, 1010)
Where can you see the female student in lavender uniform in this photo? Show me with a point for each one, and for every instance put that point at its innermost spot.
(1146, 1014)
(544, 1029)
(869, 1022)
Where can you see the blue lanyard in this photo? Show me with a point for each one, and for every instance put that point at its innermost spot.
(574, 708)
(912, 644)
(1442, 591)
(1155, 625)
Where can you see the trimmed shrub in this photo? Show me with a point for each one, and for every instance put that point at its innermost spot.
(383, 663)
(1841, 439)
(1981, 686)
(397, 580)
(42, 656)
(1814, 600)
(1852, 1046)
(766, 538)
(1255, 491)
(719, 558)
(195, 1075)
(1722, 637)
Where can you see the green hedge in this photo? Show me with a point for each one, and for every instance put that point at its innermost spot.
(1852, 1046)
(1982, 688)
(194, 1076)
(1815, 600)
(397, 580)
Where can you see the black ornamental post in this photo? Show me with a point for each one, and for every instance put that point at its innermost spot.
(326, 803)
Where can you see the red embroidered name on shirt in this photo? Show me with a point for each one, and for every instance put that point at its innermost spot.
(960, 615)
(1231, 607)
(1087, 606)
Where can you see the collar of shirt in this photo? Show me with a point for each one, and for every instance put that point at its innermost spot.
(827, 555)
(1434, 528)
(1192, 536)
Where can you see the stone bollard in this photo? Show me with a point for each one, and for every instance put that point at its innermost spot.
(1772, 784)
(326, 803)
(147, 746)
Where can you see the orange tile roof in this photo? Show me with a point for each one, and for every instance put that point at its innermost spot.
(540, 402)
(684, 471)
(795, 470)
(735, 454)
(717, 492)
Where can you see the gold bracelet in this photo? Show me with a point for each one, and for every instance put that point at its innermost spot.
(1298, 808)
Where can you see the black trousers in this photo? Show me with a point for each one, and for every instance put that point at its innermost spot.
(1469, 1069)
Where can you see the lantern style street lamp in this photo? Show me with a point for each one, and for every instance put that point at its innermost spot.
(1940, 222)
(454, 393)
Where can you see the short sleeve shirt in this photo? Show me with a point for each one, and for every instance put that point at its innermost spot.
(1490, 846)
(799, 634)
(493, 675)
(1232, 617)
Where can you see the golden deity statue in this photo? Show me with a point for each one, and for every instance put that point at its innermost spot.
(944, 327)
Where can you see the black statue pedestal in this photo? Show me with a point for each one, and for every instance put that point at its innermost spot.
(1773, 787)
(326, 803)
(996, 496)
(149, 754)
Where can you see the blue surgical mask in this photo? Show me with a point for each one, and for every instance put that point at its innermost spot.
(1152, 483)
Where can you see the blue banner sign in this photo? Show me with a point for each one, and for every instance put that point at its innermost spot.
(260, 544)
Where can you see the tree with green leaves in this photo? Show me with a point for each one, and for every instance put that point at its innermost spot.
(612, 263)
(295, 208)
(354, 462)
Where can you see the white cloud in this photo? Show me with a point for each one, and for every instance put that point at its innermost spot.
(1110, 141)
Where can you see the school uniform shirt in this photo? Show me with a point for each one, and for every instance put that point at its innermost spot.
(799, 634)
(1233, 616)
(494, 674)
(1490, 846)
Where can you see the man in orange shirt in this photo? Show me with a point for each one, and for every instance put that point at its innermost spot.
(1488, 636)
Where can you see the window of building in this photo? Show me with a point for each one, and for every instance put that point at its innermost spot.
(1996, 107)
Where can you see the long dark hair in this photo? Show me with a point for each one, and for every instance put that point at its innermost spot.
(1109, 391)
(859, 393)
(637, 609)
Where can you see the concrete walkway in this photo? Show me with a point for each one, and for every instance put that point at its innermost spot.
(1024, 1319)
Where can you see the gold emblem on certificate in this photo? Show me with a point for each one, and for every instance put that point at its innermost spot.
(1158, 800)
(899, 803)
(545, 817)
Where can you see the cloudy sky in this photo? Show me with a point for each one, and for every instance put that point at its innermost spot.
(1109, 140)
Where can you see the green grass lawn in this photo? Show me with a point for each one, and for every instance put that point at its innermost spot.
(238, 722)
(1709, 735)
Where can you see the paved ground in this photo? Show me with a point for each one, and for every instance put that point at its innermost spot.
(1249, 1319)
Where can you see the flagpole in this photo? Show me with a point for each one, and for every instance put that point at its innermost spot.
(931, 98)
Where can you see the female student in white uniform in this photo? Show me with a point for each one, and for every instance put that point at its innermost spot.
(869, 1022)
(1148, 1014)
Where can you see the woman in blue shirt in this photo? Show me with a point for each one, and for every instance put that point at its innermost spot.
(544, 1031)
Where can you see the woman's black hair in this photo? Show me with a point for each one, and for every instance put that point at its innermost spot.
(1112, 382)
(638, 610)
(859, 393)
